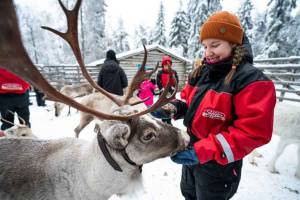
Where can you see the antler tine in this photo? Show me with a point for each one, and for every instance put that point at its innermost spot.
(20, 118)
(9, 122)
(163, 99)
(14, 58)
(137, 79)
(71, 37)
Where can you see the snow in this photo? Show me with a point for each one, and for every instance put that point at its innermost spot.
(161, 178)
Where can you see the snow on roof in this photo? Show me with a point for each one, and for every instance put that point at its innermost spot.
(133, 52)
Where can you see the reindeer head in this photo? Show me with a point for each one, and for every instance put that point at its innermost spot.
(143, 138)
(18, 130)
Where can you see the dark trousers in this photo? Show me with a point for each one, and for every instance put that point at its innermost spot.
(17, 103)
(210, 181)
(39, 98)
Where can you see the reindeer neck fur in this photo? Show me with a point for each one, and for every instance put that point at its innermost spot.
(65, 165)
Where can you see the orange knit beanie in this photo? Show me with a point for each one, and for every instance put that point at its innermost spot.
(222, 25)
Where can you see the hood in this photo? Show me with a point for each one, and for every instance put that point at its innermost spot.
(111, 66)
(248, 57)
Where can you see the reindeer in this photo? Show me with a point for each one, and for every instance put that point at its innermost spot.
(100, 102)
(72, 91)
(17, 130)
(286, 125)
(72, 168)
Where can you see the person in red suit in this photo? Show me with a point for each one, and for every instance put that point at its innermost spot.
(14, 97)
(162, 79)
(228, 110)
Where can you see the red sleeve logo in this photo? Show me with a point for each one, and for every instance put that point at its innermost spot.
(213, 114)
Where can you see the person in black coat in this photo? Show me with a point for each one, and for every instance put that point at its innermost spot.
(112, 77)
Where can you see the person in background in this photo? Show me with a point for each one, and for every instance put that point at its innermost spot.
(14, 97)
(163, 75)
(146, 90)
(39, 97)
(228, 111)
(112, 77)
(162, 79)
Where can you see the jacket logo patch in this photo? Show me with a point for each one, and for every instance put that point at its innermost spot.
(213, 114)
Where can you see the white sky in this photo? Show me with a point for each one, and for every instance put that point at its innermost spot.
(135, 12)
(145, 12)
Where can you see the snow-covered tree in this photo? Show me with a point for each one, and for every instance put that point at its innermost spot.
(278, 20)
(258, 32)
(213, 6)
(293, 37)
(245, 15)
(120, 38)
(92, 29)
(179, 32)
(47, 48)
(159, 33)
(198, 11)
(141, 36)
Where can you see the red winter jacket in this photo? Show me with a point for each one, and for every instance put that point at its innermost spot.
(163, 77)
(11, 83)
(228, 122)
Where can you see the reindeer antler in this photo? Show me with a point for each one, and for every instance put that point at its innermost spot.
(14, 57)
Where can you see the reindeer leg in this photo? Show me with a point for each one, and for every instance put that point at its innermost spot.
(84, 121)
(69, 112)
(280, 148)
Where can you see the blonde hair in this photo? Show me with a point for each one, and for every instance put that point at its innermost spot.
(238, 54)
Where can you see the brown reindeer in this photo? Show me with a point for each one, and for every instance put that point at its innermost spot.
(72, 168)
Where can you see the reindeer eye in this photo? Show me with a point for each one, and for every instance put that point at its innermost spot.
(149, 135)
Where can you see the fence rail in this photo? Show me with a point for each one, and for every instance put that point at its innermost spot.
(285, 73)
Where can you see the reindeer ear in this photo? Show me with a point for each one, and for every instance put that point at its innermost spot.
(117, 135)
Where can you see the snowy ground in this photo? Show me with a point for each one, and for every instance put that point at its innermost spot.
(162, 177)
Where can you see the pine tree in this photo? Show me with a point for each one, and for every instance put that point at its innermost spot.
(278, 19)
(198, 11)
(141, 36)
(120, 38)
(179, 32)
(92, 26)
(159, 34)
(245, 15)
(258, 32)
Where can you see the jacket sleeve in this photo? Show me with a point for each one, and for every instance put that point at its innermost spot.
(123, 78)
(158, 80)
(251, 128)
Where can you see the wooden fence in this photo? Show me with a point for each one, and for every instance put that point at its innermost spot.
(285, 73)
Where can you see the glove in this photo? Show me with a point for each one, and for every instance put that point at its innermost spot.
(170, 109)
(186, 157)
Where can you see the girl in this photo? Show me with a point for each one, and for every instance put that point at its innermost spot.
(228, 111)
(146, 90)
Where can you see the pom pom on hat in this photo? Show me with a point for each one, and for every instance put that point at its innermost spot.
(222, 25)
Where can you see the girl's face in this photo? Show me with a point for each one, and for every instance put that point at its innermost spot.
(216, 50)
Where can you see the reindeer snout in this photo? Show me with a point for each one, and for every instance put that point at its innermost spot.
(184, 140)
